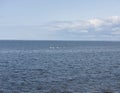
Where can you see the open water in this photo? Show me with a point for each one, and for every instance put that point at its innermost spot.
(59, 66)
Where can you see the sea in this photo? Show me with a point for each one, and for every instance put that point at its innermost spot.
(59, 66)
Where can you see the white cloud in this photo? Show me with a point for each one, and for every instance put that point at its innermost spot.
(98, 28)
(96, 22)
(107, 25)
(93, 29)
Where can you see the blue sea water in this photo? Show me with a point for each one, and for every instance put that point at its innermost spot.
(59, 66)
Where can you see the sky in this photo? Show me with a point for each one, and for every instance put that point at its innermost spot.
(60, 20)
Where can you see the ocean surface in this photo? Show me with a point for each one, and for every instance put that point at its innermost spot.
(59, 66)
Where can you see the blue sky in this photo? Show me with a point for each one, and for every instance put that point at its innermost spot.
(60, 19)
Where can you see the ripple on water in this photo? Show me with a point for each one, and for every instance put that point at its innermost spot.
(86, 70)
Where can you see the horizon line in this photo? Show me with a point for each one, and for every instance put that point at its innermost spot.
(59, 40)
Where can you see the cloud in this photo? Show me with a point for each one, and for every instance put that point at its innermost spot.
(106, 28)
(92, 29)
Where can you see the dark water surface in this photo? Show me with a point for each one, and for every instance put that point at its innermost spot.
(59, 66)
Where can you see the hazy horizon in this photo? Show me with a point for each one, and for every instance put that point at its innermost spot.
(80, 20)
